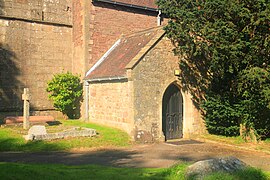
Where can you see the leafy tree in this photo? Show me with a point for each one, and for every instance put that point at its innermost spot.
(224, 51)
(66, 92)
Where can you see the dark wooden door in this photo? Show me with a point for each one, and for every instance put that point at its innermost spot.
(172, 113)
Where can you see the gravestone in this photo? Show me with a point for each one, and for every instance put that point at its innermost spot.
(26, 107)
(37, 130)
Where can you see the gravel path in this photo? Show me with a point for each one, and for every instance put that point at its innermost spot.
(151, 155)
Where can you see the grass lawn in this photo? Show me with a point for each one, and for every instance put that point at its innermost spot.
(11, 138)
(238, 141)
(49, 171)
(248, 174)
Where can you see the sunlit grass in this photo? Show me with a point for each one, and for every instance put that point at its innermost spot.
(246, 174)
(263, 145)
(52, 171)
(11, 139)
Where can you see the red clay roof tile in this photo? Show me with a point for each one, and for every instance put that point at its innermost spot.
(114, 64)
(144, 3)
(141, 3)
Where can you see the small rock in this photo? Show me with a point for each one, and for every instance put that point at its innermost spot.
(202, 168)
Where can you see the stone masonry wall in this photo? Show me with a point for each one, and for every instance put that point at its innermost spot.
(110, 103)
(35, 43)
(49, 11)
(108, 22)
(151, 77)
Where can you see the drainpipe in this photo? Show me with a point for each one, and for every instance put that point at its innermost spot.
(86, 100)
(159, 18)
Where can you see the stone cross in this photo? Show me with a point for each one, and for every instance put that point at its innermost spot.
(26, 106)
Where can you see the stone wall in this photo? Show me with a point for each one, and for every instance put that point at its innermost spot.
(46, 11)
(35, 43)
(151, 77)
(110, 103)
(108, 22)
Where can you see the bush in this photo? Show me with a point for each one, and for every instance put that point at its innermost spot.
(66, 92)
(250, 107)
(221, 117)
(254, 100)
(223, 48)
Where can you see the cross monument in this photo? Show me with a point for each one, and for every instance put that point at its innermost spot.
(26, 98)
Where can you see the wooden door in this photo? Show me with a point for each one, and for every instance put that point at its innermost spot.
(172, 113)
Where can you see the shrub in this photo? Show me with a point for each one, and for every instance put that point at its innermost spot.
(254, 99)
(220, 117)
(66, 92)
(223, 48)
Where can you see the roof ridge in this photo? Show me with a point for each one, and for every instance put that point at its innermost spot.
(142, 32)
(126, 54)
(151, 6)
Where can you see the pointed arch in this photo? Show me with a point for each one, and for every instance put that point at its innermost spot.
(172, 112)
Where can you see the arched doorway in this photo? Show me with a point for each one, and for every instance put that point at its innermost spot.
(172, 113)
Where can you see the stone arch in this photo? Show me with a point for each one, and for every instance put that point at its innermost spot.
(172, 112)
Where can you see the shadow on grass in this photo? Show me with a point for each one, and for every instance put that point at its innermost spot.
(107, 157)
(50, 171)
(18, 144)
(46, 171)
(114, 158)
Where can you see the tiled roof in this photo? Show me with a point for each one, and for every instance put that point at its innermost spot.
(114, 64)
(144, 3)
(139, 3)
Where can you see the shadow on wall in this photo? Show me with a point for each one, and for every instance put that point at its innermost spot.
(10, 86)
(194, 76)
(1, 7)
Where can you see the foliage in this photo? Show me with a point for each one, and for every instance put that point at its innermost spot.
(66, 93)
(224, 51)
(11, 139)
(220, 108)
(254, 94)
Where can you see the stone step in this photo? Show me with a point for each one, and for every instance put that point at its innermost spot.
(19, 119)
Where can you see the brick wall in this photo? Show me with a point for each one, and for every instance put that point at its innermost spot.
(35, 43)
(78, 38)
(111, 104)
(77, 23)
(108, 22)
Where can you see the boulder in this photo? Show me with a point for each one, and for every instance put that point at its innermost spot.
(202, 168)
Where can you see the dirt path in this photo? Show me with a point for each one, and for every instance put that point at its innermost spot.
(153, 155)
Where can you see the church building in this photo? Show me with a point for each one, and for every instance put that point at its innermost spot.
(134, 85)
(119, 49)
